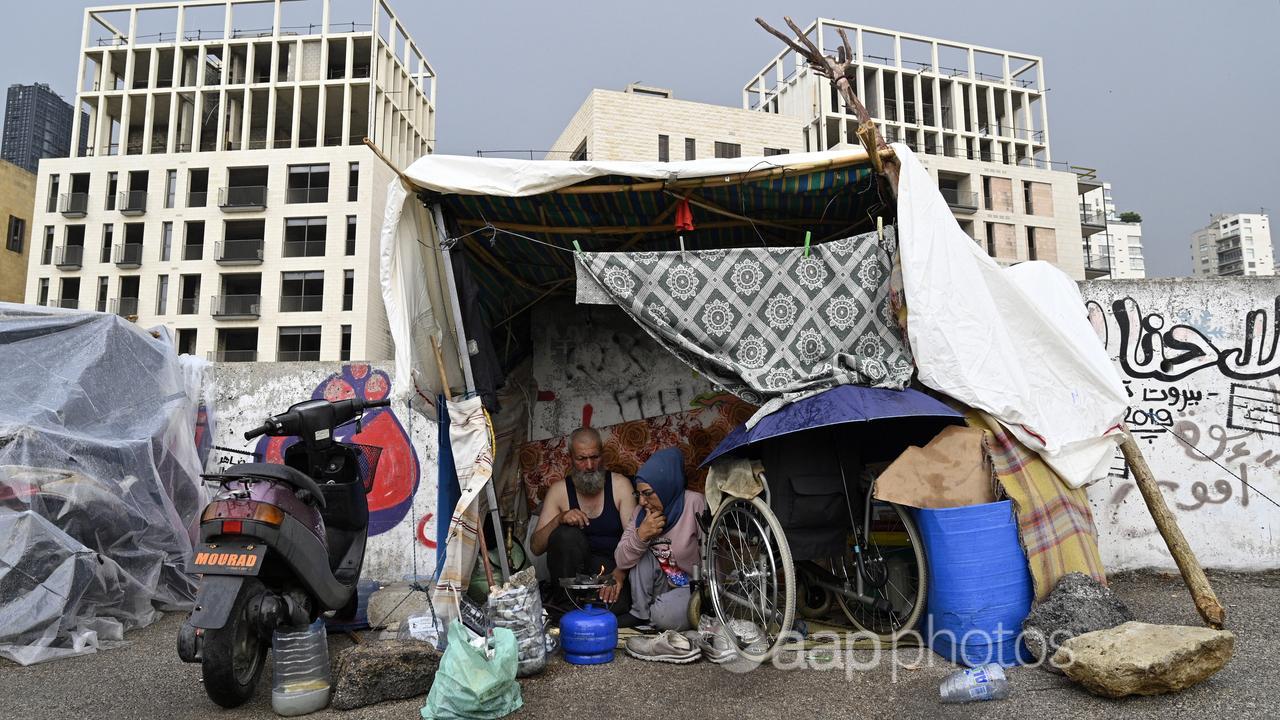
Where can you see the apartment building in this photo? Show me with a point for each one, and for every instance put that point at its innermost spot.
(37, 124)
(1118, 245)
(17, 195)
(225, 191)
(648, 123)
(1233, 244)
(976, 115)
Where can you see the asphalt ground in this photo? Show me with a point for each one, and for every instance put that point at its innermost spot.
(145, 679)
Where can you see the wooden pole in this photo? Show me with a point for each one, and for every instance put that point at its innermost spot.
(444, 378)
(1192, 574)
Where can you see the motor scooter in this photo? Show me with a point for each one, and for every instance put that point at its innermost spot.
(279, 545)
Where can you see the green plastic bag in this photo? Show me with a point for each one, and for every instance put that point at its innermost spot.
(472, 686)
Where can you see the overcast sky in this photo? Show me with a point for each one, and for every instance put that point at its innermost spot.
(1177, 104)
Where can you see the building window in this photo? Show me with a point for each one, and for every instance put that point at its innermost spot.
(197, 187)
(690, 149)
(52, 204)
(304, 237)
(302, 291)
(166, 241)
(108, 236)
(1031, 244)
(186, 341)
(193, 241)
(170, 188)
(769, 152)
(299, 343)
(353, 181)
(46, 253)
(580, 152)
(351, 235)
(42, 292)
(728, 150)
(308, 184)
(162, 295)
(991, 239)
(189, 300)
(113, 184)
(17, 231)
(664, 149)
(345, 352)
(348, 289)
(104, 287)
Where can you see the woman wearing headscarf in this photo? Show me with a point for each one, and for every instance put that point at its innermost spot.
(660, 543)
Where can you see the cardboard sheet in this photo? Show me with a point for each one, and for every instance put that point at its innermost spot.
(953, 470)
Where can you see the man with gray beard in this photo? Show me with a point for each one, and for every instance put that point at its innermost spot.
(581, 519)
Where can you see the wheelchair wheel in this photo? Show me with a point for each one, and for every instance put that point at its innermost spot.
(892, 572)
(750, 576)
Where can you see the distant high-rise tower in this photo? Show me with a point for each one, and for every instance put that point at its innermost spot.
(37, 124)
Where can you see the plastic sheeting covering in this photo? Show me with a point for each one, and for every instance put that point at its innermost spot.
(99, 481)
(1015, 342)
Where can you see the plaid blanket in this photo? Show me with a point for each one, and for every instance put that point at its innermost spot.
(1054, 520)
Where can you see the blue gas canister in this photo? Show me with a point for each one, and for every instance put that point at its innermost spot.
(589, 636)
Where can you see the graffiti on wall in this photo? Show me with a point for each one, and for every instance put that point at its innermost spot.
(1201, 368)
(1149, 346)
(396, 476)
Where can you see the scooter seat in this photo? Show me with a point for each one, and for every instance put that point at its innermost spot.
(283, 473)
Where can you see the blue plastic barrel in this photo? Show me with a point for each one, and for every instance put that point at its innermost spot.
(979, 586)
(589, 636)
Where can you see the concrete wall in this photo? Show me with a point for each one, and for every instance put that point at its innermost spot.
(1201, 362)
(625, 126)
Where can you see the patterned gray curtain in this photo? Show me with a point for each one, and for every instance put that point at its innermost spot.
(767, 324)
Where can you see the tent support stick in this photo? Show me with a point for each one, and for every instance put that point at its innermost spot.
(404, 179)
(1192, 574)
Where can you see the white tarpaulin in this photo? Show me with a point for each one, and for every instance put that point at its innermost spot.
(517, 178)
(1014, 341)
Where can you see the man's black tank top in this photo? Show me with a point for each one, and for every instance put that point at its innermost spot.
(604, 532)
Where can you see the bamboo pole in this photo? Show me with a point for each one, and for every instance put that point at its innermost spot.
(1192, 574)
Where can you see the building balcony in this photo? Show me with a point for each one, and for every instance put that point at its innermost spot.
(239, 252)
(132, 202)
(307, 195)
(236, 307)
(70, 257)
(1091, 224)
(128, 255)
(1095, 267)
(65, 303)
(243, 198)
(961, 200)
(73, 205)
(233, 356)
(188, 305)
(125, 306)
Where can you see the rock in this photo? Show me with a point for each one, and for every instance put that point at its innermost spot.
(1141, 659)
(393, 603)
(1078, 604)
(380, 670)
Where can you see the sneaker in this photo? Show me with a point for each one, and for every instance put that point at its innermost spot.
(715, 646)
(668, 646)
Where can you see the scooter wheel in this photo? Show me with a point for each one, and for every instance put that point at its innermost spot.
(233, 655)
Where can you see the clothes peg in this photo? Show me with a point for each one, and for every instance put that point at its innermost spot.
(681, 248)
(807, 235)
(880, 228)
(577, 248)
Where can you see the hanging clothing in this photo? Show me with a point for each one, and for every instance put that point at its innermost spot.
(486, 369)
(603, 532)
(767, 324)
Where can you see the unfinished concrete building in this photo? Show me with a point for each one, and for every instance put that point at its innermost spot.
(976, 115)
(226, 191)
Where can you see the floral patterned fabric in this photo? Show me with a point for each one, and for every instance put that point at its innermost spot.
(627, 445)
(767, 324)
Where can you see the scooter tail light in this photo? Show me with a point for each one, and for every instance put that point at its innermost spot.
(226, 511)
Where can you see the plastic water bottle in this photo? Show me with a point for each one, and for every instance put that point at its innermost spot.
(300, 660)
(985, 682)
